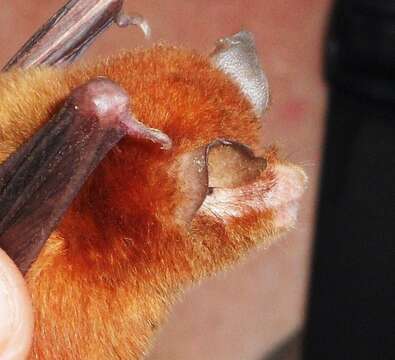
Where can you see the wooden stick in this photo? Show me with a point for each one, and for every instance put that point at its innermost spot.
(68, 33)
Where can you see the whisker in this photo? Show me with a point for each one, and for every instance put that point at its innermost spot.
(309, 164)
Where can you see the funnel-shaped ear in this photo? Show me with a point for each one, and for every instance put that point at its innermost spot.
(236, 56)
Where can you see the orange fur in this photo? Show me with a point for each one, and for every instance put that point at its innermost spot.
(106, 278)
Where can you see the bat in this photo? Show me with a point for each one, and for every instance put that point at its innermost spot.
(129, 179)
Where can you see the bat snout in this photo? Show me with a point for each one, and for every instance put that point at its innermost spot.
(284, 197)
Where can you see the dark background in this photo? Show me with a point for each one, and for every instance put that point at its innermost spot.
(351, 312)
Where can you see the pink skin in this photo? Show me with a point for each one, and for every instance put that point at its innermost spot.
(16, 312)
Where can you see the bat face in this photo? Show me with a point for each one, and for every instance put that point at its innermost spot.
(150, 221)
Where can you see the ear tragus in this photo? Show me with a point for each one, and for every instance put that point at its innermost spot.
(236, 56)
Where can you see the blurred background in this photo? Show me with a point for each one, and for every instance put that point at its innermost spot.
(250, 311)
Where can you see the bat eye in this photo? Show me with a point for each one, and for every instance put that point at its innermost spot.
(231, 164)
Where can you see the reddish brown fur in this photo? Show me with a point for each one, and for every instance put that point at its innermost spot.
(105, 279)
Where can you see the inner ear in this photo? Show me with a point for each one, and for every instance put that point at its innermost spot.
(231, 164)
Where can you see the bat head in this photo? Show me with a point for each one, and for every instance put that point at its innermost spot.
(150, 221)
(218, 192)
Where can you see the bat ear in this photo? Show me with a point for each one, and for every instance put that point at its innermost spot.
(237, 56)
(220, 165)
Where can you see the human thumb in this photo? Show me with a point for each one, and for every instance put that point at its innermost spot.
(16, 313)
